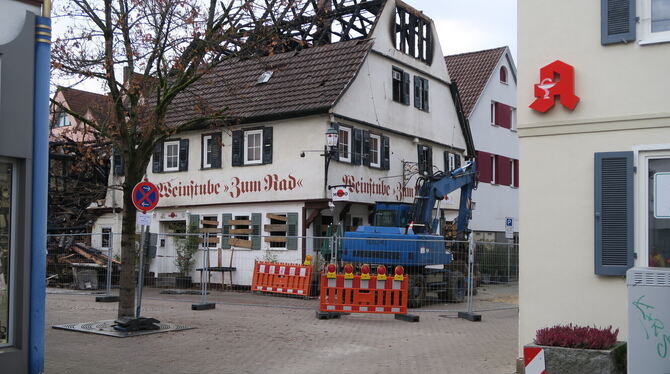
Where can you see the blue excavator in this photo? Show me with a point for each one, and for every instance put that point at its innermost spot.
(407, 235)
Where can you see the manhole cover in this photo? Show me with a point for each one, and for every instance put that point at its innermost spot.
(105, 328)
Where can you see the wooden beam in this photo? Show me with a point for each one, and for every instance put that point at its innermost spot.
(211, 240)
(210, 230)
(276, 217)
(241, 231)
(209, 222)
(275, 239)
(87, 255)
(239, 222)
(312, 217)
(240, 243)
(270, 228)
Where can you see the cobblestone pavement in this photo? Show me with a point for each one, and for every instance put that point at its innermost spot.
(250, 333)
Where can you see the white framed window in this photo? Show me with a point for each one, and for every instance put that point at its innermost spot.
(494, 162)
(375, 147)
(652, 222)
(493, 113)
(106, 238)
(503, 75)
(344, 143)
(511, 172)
(253, 147)
(513, 119)
(452, 161)
(214, 239)
(655, 21)
(207, 149)
(171, 155)
(63, 120)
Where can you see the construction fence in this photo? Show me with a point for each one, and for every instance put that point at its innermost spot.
(248, 269)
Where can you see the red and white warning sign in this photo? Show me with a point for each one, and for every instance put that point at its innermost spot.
(533, 358)
(340, 194)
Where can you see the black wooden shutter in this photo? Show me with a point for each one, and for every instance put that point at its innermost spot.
(405, 88)
(417, 92)
(267, 145)
(238, 151)
(256, 231)
(446, 161)
(157, 162)
(292, 232)
(614, 246)
(421, 161)
(117, 159)
(386, 153)
(357, 145)
(183, 154)
(366, 148)
(424, 95)
(429, 161)
(225, 230)
(457, 161)
(617, 21)
(335, 155)
(216, 151)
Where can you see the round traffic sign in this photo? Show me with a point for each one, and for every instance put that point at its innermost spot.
(145, 196)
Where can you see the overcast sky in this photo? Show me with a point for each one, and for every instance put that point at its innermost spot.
(472, 25)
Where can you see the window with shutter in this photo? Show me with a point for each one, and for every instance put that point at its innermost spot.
(117, 160)
(617, 21)
(614, 246)
(344, 144)
(396, 76)
(211, 151)
(421, 93)
(425, 159)
(375, 150)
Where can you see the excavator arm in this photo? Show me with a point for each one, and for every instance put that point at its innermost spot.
(435, 188)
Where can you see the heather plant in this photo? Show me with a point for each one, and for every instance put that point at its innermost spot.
(569, 336)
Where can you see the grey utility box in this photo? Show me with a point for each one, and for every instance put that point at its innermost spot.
(648, 320)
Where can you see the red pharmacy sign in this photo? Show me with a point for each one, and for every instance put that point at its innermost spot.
(557, 81)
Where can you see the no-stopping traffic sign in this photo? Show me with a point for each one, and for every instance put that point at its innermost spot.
(145, 196)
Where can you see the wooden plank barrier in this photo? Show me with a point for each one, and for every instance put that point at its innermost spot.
(282, 278)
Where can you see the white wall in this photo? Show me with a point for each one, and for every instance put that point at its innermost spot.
(495, 202)
(623, 92)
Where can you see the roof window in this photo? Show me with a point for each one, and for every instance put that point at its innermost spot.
(265, 77)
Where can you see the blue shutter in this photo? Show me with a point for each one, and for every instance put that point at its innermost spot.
(614, 246)
(157, 162)
(405, 88)
(357, 145)
(237, 156)
(292, 233)
(117, 160)
(256, 230)
(225, 229)
(617, 21)
(386, 153)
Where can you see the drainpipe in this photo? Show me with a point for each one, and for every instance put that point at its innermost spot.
(39, 189)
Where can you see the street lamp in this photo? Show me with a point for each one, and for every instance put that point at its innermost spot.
(329, 150)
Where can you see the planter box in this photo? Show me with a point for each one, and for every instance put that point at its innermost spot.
(560, 360)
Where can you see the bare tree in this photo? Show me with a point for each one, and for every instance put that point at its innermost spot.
(146, 53)
(149, 53)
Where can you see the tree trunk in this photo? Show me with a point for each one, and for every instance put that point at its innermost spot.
(129, 248)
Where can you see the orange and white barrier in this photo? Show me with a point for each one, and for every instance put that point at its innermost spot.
(290, 279)
(363, 293)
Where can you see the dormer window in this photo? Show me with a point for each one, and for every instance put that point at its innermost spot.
(503, 75)
(412, 34)
(63, 120)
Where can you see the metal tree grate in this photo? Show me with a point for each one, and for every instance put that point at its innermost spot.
(105, 328)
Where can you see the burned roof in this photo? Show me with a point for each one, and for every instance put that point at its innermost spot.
(471, 72)
(301, 82)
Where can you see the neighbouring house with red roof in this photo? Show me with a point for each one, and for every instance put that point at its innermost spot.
(64, 126)
(261, 178)
(486, 81)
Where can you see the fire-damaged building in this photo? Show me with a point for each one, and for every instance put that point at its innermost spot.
(376, 77)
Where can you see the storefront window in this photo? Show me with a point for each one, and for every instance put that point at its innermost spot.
(659, 212)
(5, 230)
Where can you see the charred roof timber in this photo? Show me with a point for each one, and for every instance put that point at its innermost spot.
(302, 24)
(412, 33)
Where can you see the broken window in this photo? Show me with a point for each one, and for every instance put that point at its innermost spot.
(413, 35)
(106, 237)
(400, 86)
(211, 222)
(276, 230)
